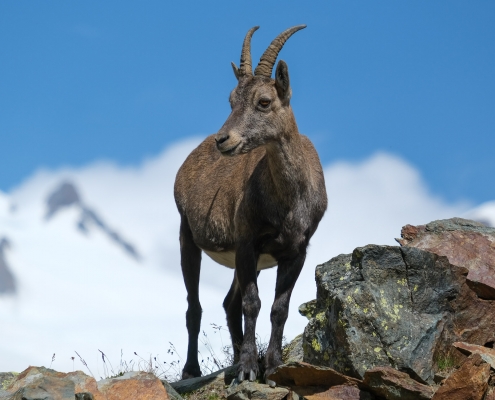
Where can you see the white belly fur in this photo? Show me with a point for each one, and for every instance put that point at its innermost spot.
(227, 258)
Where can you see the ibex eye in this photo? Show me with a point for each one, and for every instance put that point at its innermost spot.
(264, 103)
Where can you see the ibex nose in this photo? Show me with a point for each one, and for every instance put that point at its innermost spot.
(222, 138)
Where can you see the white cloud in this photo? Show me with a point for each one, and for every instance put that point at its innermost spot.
(84, 293)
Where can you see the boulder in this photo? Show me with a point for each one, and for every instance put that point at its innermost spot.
(395, 385)
(256, 391)
(293, 351)
(313, 382)
(400, 307)
(304, 374)
(133, 385)
(469, 382)
(465, 243)
(41, 383)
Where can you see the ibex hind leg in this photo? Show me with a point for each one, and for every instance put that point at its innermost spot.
(287, 273)
(233, 310)
(191, 267)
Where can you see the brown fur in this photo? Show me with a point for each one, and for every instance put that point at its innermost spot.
(256, 187)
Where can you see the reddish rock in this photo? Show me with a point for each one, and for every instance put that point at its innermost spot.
(487, 354)
(85, 384)
(341, 392)
(469, 382)
(133, 385)
(490, 394)
(304, 374)
(42, 383)
(465, 243)
(395, 385)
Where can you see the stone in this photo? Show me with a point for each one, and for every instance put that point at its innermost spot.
(36, 383)
(469, 382)
(465, 243)
(225, 376)
(247, 390)
(293, 352)
(304, 374)
(400, 307)
(85, 384)
(395, 385)
(172, 393)
(487, 354)
(340, 392)
(84, 396)
(133, 385)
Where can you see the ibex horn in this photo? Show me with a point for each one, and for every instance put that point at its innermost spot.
(267, 60)
(246, 67)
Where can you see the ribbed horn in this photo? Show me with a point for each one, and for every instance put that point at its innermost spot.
(246, 67)
(267, 60)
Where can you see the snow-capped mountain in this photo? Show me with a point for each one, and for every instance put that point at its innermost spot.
(89, 257)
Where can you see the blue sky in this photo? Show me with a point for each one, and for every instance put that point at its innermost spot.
(88, 80)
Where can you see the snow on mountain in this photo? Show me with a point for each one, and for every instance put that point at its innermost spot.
(94, 255)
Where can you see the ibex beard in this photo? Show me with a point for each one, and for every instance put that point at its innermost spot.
(250, 197)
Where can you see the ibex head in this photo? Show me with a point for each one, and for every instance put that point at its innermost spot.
(261, 109)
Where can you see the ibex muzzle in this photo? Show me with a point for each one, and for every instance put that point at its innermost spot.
(254, 210)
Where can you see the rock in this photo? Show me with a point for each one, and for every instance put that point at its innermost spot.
(133, 385)
(85, 384)
(394, 385)
(172, 393)
(293, 352)
(401, 307)
(465, 243)
(304, 374)
(256, 391)
(469, 382)
(225, 376)
(339, 392)
(41, 383)
(490, 394)
(6, 378)
(487, 354)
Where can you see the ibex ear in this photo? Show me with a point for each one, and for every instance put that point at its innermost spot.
(236, 70)
(282, 83)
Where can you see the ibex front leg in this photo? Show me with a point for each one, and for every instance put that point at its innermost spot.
(191, 266)
(287, 273)
(246, 261)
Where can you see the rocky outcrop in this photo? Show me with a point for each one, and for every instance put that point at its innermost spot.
(465, 243)
(400, 307)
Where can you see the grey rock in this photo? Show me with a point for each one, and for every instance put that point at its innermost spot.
(293, 352)
(382, 306)
(256, 391)
(172, 393)
(225, 375)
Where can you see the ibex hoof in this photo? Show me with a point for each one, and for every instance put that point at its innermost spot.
(252, 375)
(271, 383)
(240, 378)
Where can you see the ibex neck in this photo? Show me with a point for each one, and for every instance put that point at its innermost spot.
(288, 167)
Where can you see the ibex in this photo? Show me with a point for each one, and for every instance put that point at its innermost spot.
(250, 197)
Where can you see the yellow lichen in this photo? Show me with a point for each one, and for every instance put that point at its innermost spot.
(377, 349)
(402, 281)
(316, 345)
